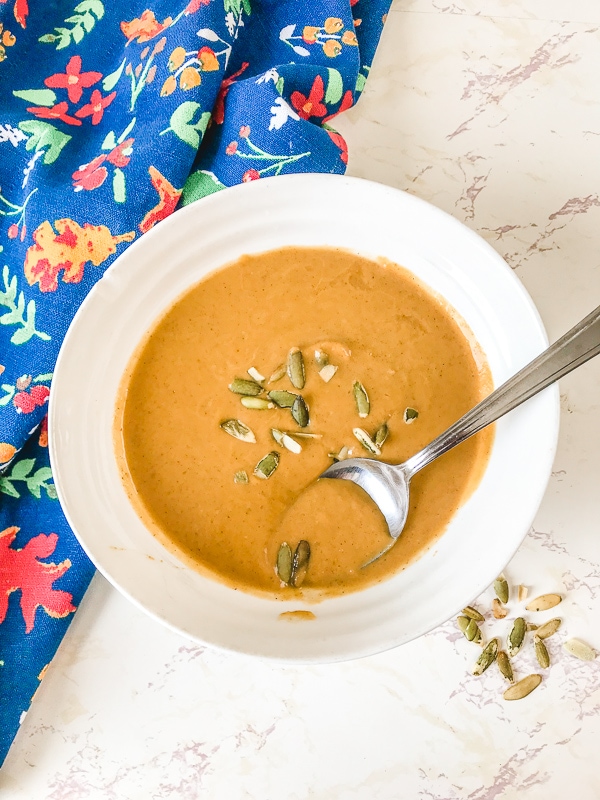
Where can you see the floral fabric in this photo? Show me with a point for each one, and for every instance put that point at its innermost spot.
(111, 115)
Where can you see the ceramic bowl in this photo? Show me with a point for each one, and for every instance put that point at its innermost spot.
(305, 210)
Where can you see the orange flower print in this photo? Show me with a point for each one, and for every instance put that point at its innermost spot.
(168, 198)
(7, 451)
(145, 27)
(310, 106)
(73, 79)
(59, 111)
(95, 108)
(68, 250)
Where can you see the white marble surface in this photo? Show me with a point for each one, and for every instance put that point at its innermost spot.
(491, 110)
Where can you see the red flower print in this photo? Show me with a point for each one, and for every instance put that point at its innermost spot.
(310, 106)
(244, 131)
(145, 27)
(168, 197)
(346, 103)
(231, 148)
(21, 12)
(219, 109)
(339, 140)
(95, 108)
(26, 402)
(195, 5)
(59, 111)
(90, 176)
(43, 437)
(13, 231)
(73, 79)
(22, 569)
(116, 155)
(250, 175)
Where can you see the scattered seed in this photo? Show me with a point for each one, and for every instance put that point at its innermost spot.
(410, 415)
(505, 666)
(254, 373)
(361, 399)
(381, 435)
(245, 387)
(516, 637)
(544, 602)
(295, 368)
(548, 628)
(501, 589)
(524, 687)
(241, 477)
(344, 453)
(541, 653)
(278, 374)
(300, 563)
(531, 626)
(267, 465)
(487, 657)
(282, 398)
(463, 623)
(580, 650)
(291, 444)
(470, 628)
(237, 429)
(300, 412)
(327, 372)
(284, 562)
(366, 441)
(278, 436)
(523, 591)
(321, 359)
(256, 403)
(498, 610)
(304, 435)
(472, 613)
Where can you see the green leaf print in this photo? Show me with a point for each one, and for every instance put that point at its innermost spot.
(88, 13)
(18, 314)
(335, 86)
(119, 191)
(237, 6)
(41, 135)
(40, 97)
(35, 482)
(182, 125)
(200, 184)
(111, 80)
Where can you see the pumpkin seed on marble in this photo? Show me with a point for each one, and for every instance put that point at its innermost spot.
(472, 613)
(469, 628)
(284, 562)
(327, 372)
(381, 435)
(300, 563)
(487, 657)
(577, 648)
(541, 652)
(523, 687)
(237, 429)
(255, 375)
(366, 441)
(256, 403)
(501, 589)
(517, 636)
(241, 476)
(523, 591)
(300, 411)
(548, 628)
(410, 415)
(544, 602)
(282, 398)
(498, 610)
(361, 398)
(278, 374)
(245, 386)
(295, 368)
(267, 465)
(505, 666)
(531, 626)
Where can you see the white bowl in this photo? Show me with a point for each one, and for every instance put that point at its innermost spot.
(310, 210)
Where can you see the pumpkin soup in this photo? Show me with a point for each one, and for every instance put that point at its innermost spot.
(263, 373)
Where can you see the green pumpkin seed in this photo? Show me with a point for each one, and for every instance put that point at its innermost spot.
(487, 657)
(300, 563)
(472, 613)
(366, 441)
(278, 373)
(237, 429)
(284, 562)
(327, 372)
(381, 435)
(470, 628)
(463, 623)
(267, 465)
(295, 368)
(241, 477)
(410, 415)
(255, 375)
(300, 412)
(524, 687)
(256, 403)
(505, 666)
(246, 387)
(544, 602)
(580, 650)
(321, 359)
(501, 589)
(541, 652)
(282, 398)
(361, 398)
(516, 637)
(548, 628)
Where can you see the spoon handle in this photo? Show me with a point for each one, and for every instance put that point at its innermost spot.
(578, 345)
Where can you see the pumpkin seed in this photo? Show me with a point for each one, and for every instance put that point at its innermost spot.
(541, 652)
(410, 415)
(300, 411)
(472, 613)
(366, 441)
(285, 440)
(282, 398)
(544, 602)
(237, 429)
(267, 465)
(256, 403)
(278, 436)
(246, 387)
(470, 628)
(327, 372)
(241, 477)
(523, 687)
(304, 435)
(255, 374)
(344, 453)
(284, 562)
(516, 637)
(295, 368)
(580, 650)
(361, 398)
(463, 623)
(501, 589)
(381, 435)
(321, 359)
(498, 610)
(487, 657)
(523, 591)
(278, 373)
(505, 666)
(548, 628)
(300, 563)
(531, 626)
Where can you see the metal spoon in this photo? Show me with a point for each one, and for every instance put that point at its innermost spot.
(388, 485)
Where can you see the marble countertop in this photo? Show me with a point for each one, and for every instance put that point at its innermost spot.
(494, 116)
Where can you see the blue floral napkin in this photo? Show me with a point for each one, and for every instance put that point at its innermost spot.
(112, 115)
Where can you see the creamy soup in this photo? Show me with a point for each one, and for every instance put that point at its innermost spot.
(220, 457)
